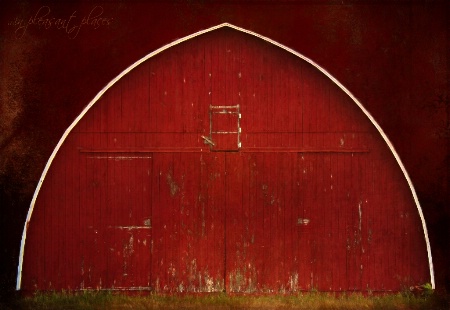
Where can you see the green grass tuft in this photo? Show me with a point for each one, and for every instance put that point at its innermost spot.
(309, 300)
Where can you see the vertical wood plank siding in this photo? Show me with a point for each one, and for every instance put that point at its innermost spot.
(136, 199)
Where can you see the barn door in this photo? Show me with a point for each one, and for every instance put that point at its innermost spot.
(281, 209)
(266, 228)
(119, 228)
(187, 251)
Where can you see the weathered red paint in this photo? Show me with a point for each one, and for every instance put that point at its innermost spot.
(312, 198)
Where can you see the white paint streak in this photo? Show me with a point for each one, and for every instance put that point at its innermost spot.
(360, 216)
(293, 282)
(130, 227)
(118, 157)
(165, 47)
(131, 245)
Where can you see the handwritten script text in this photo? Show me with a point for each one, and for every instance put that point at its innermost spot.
(71, 25)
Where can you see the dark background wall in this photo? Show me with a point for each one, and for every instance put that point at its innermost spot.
(392, 55)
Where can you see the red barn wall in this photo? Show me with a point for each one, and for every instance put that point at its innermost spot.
(312, 198)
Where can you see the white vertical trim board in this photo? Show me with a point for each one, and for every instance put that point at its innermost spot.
(165, 47)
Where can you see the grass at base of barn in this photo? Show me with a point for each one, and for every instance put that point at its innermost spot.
(107, 300)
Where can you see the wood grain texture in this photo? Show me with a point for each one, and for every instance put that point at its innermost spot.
(312, 200)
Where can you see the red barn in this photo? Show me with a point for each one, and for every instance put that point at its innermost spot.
(224, 162)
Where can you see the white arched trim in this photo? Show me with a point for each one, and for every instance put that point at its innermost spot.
(165, 47)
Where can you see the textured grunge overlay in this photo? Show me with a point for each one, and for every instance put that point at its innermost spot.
(55, 57)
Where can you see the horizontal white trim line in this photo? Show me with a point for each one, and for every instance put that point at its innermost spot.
(165, 47)
(130, 227)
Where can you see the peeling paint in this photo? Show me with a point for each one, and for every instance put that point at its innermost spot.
(293, 282)
(171, 271)
(243, 280)
(302, 221)
(174, 188)
(203, 220)
(131, 245)
(360, 216)
(198, 281)
(147, 223)
(211, 285)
